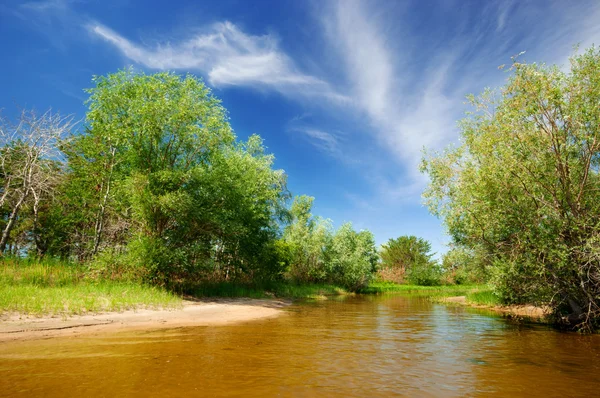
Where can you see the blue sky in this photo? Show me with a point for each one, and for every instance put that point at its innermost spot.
(345, 93)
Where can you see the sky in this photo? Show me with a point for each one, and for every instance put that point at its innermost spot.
(347, 94)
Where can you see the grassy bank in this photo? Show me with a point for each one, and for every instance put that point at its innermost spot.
(433, 291)
(57, 288)
(483, 296)
(50, 287)
(474, 294)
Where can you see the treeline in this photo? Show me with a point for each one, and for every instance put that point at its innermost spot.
(521, 195)
(154, 186)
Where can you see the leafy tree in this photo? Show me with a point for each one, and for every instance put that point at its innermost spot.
(413, 257)
(353, 257)
(317, 254)
(309, 239)
(523, 187)
(463, 266)
(164, 185)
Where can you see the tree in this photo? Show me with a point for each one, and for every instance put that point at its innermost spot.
(463, 266)
(412, 257)
(523, 187)
(30, 166)
(318, 254)
(309, 239)
(353, 257)
(164, 185)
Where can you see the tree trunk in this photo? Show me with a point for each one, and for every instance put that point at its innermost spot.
(102, 210)
(11, 223)
(40, 247)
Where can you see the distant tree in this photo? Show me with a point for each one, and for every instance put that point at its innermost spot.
(353, 257)
(412, 256)
(463, 266)
(524, 187)
(318, 254)
(309, 239)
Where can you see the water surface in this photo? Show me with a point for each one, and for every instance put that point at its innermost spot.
(362, 346)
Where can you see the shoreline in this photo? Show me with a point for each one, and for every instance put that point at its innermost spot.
(209, 312)
(533, 313)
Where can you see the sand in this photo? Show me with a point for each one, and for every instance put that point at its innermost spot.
(193, 313)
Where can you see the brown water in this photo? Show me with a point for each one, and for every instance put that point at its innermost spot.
(364, 346)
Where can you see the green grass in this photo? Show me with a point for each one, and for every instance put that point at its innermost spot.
(433, 291)
(53, 288)
(277, 289)
(483, 297)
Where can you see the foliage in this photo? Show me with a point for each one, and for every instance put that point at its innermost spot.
(164, 184)
(413, 257)
(156, 188)
(353, 257)
(317, 254)
(523, 188)
(463, 266)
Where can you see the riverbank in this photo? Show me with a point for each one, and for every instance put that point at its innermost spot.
(474, 296)
(191, 313)
(529, 312)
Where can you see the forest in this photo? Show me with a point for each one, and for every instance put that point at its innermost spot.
(153, 186)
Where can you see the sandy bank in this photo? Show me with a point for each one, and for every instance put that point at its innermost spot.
(520, 311)
(193, 313)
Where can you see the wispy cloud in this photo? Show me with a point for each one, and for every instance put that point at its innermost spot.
(412, 90)
(51, 18)
(228, 57)
(323, 140)
(328, 142)
(374, 70)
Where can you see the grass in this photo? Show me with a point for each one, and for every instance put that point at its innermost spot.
(431, 291)
(483, 297)
(54, 288)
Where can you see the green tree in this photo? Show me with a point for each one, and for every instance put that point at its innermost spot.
(523, 187)
(464, 266)
(309, 239)
(163, 184)
(353, 257)
(318, 254)
(412, 256)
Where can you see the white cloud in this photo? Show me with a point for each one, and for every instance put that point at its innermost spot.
(322, 140)
(403, 123)
(412, 87)
(228, 57)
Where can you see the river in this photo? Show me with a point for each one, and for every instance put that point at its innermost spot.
(359, 346)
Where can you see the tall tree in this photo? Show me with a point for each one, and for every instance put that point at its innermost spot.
(164, 181)
(30, 165)
(524, 186)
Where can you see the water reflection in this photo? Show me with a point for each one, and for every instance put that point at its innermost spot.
(364, 346)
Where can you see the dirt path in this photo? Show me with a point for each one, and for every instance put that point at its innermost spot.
(193, 313)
